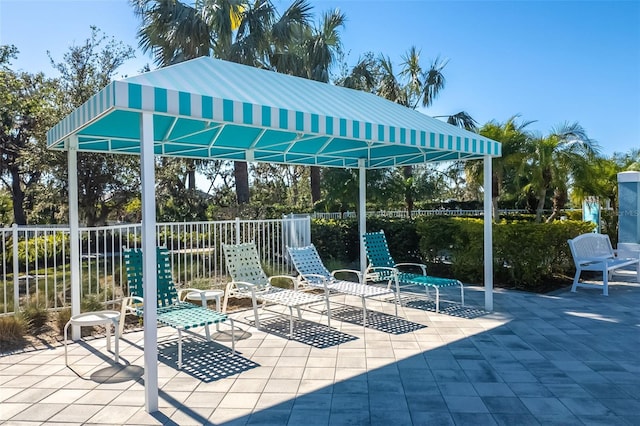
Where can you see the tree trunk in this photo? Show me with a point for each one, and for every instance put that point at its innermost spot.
(407, 172)
(315, 184)
(17, 194)
(495, 196)
(241, 175)
(540, 208)
(559, 201)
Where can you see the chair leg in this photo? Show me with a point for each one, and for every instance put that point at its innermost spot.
(66, 327)
(107, 328)
(233, 336)
(437, 300)
(226, 298)
(256, 317)
(605, 283)
(291, 321)
(326, 295)
(179, 349)
(576, 278)
(364, 312)
(461, 292)
(399, 301)
(116, 330)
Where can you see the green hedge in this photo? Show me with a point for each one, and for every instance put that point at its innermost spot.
(527, 255)
(339, 240)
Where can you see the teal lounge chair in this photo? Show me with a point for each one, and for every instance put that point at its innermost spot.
(382, 267)
(182, 316)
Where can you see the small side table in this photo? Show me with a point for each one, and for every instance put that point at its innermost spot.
(205, 296)
(106, 318)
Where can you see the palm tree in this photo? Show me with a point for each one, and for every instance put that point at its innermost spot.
(415, 87)
(514, 140)
(551, 161)
(241, 31)
(599, 177)
(311, 56)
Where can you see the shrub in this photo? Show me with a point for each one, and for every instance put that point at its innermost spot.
(91, 303)
(12, 331)
(526, 254)
(339, 240)
(35, 314)
(62, 318)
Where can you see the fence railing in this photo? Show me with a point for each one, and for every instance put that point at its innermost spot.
(35, 264)
(414, 213)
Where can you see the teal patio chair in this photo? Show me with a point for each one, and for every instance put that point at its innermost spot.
(313, 274)
(381, 267)
(248, 279)
(171, 311)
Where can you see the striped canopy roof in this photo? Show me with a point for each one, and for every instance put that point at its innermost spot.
(208, 108)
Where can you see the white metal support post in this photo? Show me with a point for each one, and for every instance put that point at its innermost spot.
(74, 231)
(362, 214)
(149, 264)
(488, 235)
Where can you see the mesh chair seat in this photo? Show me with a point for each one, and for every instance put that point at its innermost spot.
(382, 267)
(170, 310)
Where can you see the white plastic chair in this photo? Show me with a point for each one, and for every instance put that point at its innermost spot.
(250, 280)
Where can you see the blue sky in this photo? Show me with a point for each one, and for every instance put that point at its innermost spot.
(549, 61)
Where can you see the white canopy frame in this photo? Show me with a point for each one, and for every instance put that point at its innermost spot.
(185, 110)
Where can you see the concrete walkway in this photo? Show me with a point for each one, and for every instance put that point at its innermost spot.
(567, 358)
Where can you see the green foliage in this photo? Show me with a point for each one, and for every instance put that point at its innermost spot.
(12, 331)
(40, 249)
(339, 240)
(62, 318)
(91, 303)
(335, 239)
(525, 254)
(35, 313)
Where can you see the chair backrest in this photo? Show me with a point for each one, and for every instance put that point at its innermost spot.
(307, 261)
(591, 246)
(243, 264)
(166, 289)
(378, 255)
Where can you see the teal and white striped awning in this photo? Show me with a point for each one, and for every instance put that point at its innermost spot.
(208, 108)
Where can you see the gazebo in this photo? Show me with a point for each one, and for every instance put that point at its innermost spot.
(211, 109)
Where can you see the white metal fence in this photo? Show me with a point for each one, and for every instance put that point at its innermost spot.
(414, 213)
(36, 269)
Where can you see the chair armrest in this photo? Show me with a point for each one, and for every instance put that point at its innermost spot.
(131, 300)
(374, 273)
(242, 284)
(316, 279)
(423, 267)
(594, 259)
(347, 271)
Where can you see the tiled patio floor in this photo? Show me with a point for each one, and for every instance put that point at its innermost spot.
(567, 358)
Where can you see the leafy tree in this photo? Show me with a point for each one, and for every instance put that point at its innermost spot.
(551, 162)
(514, 139)
(27, 110)
(241, 31)
(599, 177)
(319, 47)
(412, 86)
(106, 182)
